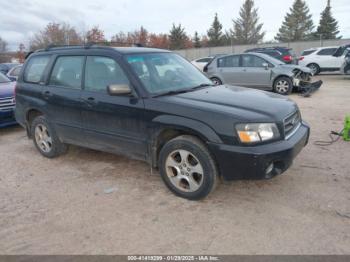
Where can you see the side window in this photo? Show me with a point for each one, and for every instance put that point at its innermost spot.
(67, 72)
(101, 72)
(16, 71)
(327, 51)
(229, 61)
(308, 52)
(35, 68)
(252, 61)
(204, 60)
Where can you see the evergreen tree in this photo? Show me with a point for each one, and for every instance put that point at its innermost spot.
(196, 40)
(177, 37)
(328, 27)
(247, 29)
(215, 32)
(297, 25)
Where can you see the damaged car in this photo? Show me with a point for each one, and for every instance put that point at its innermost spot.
(261, 71)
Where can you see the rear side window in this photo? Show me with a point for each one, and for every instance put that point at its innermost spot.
(101, 72)
(229, 61)
(327, 51)
(252, 61)
(35, 69)
(67, 72)
(204, 60)
(16, 71)
(308, 52)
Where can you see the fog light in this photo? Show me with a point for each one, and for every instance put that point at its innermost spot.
(269, 169)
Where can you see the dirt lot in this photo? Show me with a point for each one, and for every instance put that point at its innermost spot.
(65, 205)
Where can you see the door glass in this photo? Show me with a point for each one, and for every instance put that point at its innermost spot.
(101, 72)
(67, 72)
(252, 61)
(229, 61)
(327, 51)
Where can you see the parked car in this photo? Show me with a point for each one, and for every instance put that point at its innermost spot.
(345, 68)
(284, 54)
(259, 70)
(5, 67)
(202, 62)
(14, 72)
(321, 59)
(154, 105)
(7, 101)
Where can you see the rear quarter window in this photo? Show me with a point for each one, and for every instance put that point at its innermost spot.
(308, 52)
(35, 69)
(327, 51)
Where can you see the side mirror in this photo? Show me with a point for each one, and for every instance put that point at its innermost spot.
(265, 65)
(119, 90)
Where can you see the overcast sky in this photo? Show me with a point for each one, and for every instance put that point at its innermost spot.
(20, 19)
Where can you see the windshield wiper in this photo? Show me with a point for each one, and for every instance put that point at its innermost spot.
(181, 91)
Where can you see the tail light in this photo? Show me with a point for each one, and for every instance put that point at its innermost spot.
(287, 58)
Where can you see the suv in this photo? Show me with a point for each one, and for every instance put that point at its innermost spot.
(283, 54)
(323, 59)
(154, 105)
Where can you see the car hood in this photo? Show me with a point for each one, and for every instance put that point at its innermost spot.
(243, 103)
(292, 67)
(7, 89)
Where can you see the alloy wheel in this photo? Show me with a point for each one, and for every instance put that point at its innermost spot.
(184, 170)
(43, 138)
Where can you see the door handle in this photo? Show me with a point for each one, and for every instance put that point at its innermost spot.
(90, 101)
(47, 94)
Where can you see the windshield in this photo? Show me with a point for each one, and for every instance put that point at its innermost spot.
(4, 79)
(166, 72)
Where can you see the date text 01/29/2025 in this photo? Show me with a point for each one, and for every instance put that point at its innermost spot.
(173, 258)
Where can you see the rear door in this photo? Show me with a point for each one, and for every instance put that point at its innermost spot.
(327, 60)
(229, 69)
(62, 94)
(112, 123)
(254, 73)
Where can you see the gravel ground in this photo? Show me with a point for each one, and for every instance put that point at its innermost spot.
(88, 202)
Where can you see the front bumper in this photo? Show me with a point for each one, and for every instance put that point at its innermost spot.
(7, 118)
(239, 162)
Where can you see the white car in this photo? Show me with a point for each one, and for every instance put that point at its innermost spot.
(201, 62)
(322, 59)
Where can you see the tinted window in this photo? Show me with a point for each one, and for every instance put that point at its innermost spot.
(35, 68)
(101, 72)
(308, 52)
(327, 51)
(252, 61)
(229, 61)
(67, 72)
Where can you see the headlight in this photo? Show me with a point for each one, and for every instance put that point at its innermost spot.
(253, 133)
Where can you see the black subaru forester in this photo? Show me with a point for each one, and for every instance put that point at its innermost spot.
(153, 105)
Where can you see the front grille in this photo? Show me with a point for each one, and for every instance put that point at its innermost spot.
(7, 103)
(291, 124)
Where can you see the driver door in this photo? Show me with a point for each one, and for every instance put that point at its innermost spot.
(111, 123)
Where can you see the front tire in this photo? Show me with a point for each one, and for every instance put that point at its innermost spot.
(283, 85)
(45, 138)
(187, 168)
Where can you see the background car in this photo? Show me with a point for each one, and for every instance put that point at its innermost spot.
(201, 62)
(7, 101)
(5, 67)
(322, 59)
(284, 54)
(258, 71)
(14, 72)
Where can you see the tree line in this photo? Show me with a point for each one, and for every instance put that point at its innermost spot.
(246, 29)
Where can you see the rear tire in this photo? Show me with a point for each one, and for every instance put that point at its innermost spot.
(187, 168)
(315, 68)
(45, 138)
(283, 85)
(216, 81)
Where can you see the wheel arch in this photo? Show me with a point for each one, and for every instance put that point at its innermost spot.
(30, 115)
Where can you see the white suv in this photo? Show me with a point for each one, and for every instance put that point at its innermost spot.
(322, 59)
